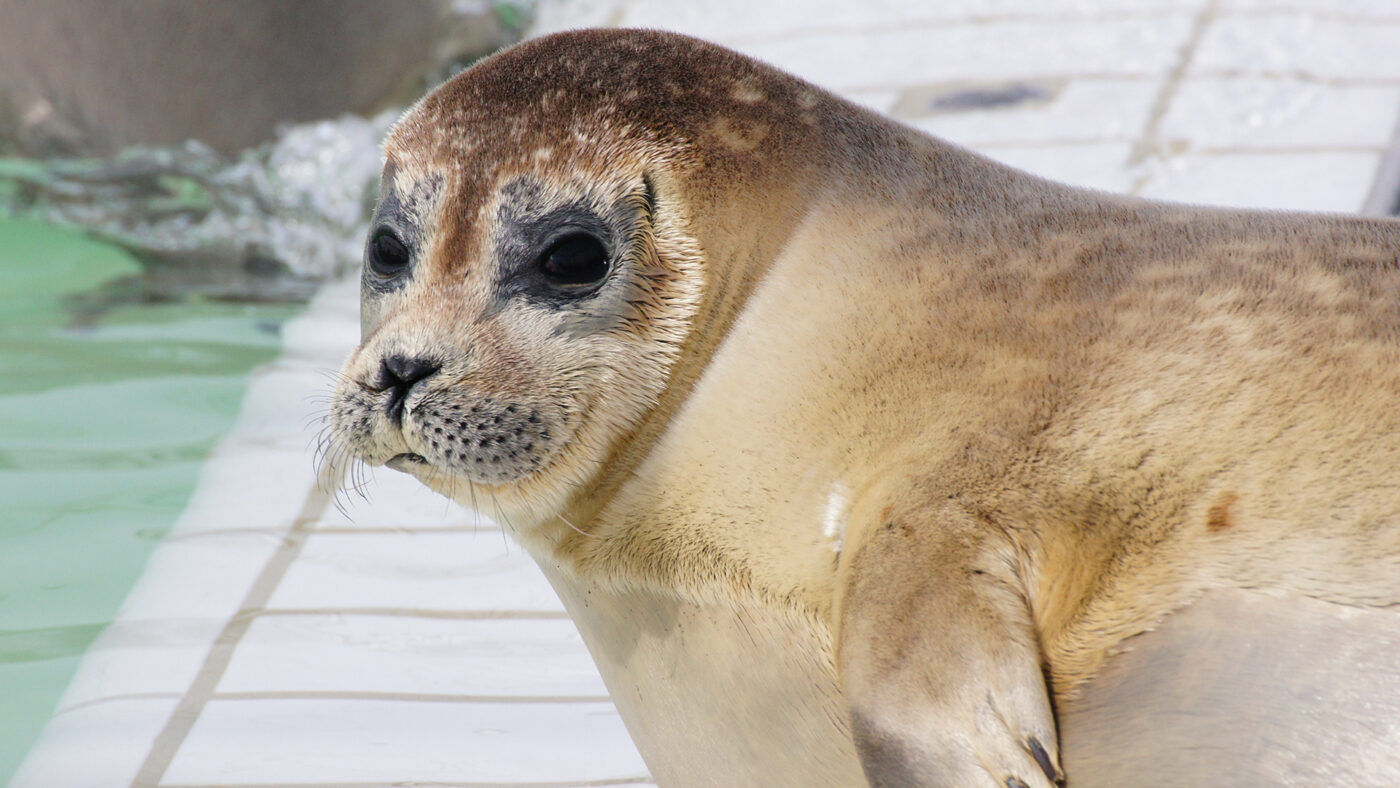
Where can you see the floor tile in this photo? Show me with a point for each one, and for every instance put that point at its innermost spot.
(150, 657)
(995, 51)
(212, 572)
(281, 407)
(1380, 9)
(449, 572)
(716, 20)
(248, 487)
(1278, 113)
(282, 742)
(394, 654)
(1298, 45)
(1302, 182)
(97, 746)
(1082, 110)
(393, 500)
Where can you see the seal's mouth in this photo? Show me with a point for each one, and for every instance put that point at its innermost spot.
(406, 462)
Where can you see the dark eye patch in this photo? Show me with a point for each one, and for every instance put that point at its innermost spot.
(555, 257)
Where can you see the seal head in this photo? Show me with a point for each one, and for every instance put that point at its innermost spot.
(533, 274)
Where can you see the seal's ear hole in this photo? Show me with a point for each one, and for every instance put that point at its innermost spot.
(387, 255)
(575, 262)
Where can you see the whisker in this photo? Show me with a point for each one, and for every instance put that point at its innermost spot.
(334, 375)
(362, 480)
(580, 531)
(476, 509)
(503, 518)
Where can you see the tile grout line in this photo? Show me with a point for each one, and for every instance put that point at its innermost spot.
(336, 530)
(371, 530)
(1148, 144)
(201, 690)
(409, 612)
(410, 697)
(603, 783)
(122, 698)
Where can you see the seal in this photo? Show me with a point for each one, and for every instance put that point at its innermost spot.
(854, 455)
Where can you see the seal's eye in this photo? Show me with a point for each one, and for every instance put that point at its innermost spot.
(387, 254)
(575, 261)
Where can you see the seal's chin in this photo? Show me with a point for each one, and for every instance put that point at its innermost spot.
(407, 462)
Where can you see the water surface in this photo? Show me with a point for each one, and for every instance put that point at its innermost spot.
(108, 406)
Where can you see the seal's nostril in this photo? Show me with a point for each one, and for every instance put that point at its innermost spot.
(397, 375)
(401, 371)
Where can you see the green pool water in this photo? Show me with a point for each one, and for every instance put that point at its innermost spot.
(106, 413)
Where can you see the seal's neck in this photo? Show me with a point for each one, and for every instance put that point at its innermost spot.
(738, 247)
(742, 223)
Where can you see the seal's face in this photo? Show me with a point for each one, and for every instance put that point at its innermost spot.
(508, 344)
(532, 271)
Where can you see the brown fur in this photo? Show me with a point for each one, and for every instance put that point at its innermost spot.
(910, 423)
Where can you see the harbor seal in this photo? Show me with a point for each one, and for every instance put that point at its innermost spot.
(854, 455)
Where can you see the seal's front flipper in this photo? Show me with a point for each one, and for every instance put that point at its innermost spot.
(939, 659)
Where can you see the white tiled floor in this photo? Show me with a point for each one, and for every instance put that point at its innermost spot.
(303, 741)
(413, 655)
(276, 640)
(1074, 111)
(1266, 180)
(415, 570)
(991, 51)
(102, 744)
(1280, 114)
(1306, 45)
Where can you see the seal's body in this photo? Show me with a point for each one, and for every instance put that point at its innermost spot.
(847, 449)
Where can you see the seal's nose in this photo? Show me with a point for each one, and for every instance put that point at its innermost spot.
(398, 375)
